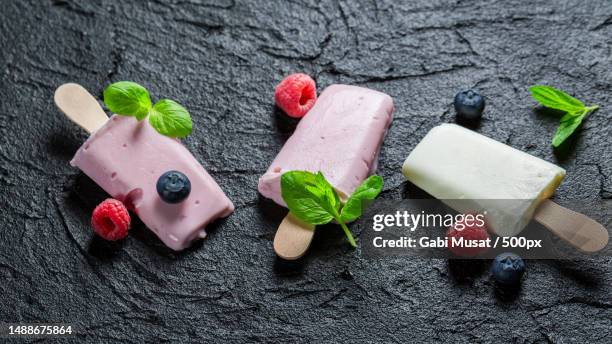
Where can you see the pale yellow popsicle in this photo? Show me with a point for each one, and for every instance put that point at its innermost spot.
(471, 172)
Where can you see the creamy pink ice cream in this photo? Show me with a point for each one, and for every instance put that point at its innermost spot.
(340, 136)
(126, 157)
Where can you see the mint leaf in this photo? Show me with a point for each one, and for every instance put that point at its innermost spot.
(569, 123)
(128, 99)
(312, 199)
(575, 110)
(556, 99)
(364, 194)
(305, 198)
(331, 196)
(166, 116)
(170, 118)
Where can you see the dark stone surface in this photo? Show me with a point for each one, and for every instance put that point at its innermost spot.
(222, 59)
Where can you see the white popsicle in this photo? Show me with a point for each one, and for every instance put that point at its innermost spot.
(454, 163)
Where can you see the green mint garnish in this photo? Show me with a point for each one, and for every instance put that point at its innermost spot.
(128, 99)
(168, 117)
(363, 195)
(575, 110)
(312, 199)
(309, 199)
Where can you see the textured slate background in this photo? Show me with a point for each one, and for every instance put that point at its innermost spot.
(222, 59)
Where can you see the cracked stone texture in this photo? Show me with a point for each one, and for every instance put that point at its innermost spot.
(222, 59)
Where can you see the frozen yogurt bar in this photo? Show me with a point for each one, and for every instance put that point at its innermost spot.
(340, 136)
(126, 157)
(471, 172)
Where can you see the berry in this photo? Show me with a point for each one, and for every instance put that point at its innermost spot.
(468, 230)
(508, 268)
(296, 94)
(173, 187)
(111, 220)
(469, 105)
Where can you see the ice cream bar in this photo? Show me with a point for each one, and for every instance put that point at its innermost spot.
(126, 157)
(340, 136)
(471, 172)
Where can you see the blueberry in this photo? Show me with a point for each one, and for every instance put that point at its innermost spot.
(469, 105)
(173, 187)
(508, 268)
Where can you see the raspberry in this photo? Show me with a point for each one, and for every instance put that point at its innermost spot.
(296, 94)
(111, 220)
(471, 232)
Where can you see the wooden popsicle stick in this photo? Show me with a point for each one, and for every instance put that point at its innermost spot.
(293, 238)
(577, 229)
(80, 106)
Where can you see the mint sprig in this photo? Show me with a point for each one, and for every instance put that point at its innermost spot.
(361, 198)
(311, 198)
(168, 117)
(128, 98)
(575, 110)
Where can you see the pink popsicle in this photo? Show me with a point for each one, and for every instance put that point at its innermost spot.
(340, 136)
(126, 157)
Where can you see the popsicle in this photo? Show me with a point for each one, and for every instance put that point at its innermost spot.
(340, 136)
(125, 157)
(471, 172)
